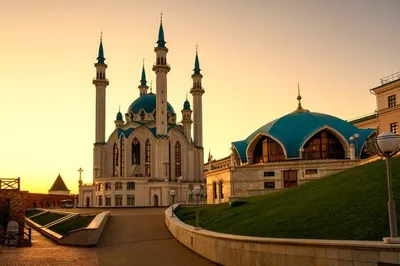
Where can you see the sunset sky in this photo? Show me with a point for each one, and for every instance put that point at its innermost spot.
(252, 55)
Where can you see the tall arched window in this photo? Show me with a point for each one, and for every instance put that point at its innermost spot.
(323, 145)
(178, 160)
(115, 160)
(122, 142)
(148, 158)
(221, 194)
(268, 150)
(215, 190)
(135, 151)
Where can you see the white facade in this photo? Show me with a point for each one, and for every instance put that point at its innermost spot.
(148, 154)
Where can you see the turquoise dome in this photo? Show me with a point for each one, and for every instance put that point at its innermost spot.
(148, 103)
(294, 128)
(186, 105)
(119, 116)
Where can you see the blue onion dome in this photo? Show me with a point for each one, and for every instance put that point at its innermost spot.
(119, 116)
(186, 105)
(148, 103)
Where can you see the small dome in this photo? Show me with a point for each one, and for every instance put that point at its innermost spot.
(119, 116)
(186, 105)
(148, 103)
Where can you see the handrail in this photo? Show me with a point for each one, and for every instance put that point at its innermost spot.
(10, 183)
(29, 233)
(390, 78)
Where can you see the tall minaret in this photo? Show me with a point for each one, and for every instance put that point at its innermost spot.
(161, 68)
(197, 92)
(187, 121)
(143, 82)
(101, 83)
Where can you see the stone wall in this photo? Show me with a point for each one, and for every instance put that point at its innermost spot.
(17, 205)
(238, 250)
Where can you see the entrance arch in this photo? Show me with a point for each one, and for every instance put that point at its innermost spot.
(87, 202)
(155, 200)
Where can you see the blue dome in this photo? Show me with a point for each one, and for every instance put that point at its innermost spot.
(119, 116)
(294, 128)
(148, 103)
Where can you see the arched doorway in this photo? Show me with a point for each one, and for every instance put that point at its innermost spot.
(34, 204)
(155, 200)
(87, 202)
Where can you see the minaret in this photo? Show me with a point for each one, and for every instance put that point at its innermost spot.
(197, 92)
(119, 121)
(101, 83)
(161, 68)
(187, 121)
(143, 83)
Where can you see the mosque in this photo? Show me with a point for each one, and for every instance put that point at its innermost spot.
(149, 153)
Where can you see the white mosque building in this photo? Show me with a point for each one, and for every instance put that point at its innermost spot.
(149, 154)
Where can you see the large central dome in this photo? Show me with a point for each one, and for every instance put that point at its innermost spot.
(148, 104)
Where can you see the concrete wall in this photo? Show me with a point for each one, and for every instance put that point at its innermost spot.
(229, 250)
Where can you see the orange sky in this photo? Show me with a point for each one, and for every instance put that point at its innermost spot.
(252, 55)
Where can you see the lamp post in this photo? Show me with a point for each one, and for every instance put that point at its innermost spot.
(387, 145)
(197, 191)
(166, 164)
(172, 193)
(356, 137)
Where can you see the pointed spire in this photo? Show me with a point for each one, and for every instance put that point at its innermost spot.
(196, 63)
(161, 42)
(143, 81)
(186, 104)
(100, 57)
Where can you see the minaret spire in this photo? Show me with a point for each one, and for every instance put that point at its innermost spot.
(100, 57)
(161, 41)
(196, 62)
(143, 82)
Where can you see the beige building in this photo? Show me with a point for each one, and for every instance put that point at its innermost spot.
(286, 152)
(387, 115)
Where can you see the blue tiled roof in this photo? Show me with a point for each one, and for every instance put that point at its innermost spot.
(148, 103)
(294, 128)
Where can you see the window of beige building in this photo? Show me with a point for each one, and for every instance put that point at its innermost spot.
(130, 200)
(100, 200)
(118, 200)
(392, 100)
(394, 128)
(118, 186)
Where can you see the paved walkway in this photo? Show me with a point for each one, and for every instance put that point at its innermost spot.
(131, 237)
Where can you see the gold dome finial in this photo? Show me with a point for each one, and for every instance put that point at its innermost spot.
(299, 107)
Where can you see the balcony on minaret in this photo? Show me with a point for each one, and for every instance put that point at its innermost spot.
(100, 77)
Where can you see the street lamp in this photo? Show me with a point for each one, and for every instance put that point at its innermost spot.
(172, 193)
(387, 145)
(356, 137)
(197, 191)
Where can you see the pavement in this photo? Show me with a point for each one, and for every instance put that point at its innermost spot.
(136, 236)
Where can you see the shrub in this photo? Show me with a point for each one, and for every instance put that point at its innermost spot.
(235, 203)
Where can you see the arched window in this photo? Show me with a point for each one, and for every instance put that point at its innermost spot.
(268, 150)
(215, 190)
(115, 160)
(221, 194)
(148, 158)
(323, 145)
(135, 151)
(122, 142)
(178, 160)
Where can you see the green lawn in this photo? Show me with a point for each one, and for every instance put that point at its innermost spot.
(46, 218)
(32, 212)
(348, 205)
(75, 223)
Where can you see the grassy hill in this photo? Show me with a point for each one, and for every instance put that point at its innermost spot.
(348, 205)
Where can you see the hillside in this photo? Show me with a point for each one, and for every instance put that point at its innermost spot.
(348, 205)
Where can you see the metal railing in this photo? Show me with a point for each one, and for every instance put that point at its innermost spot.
(390, 78)
(10, 183)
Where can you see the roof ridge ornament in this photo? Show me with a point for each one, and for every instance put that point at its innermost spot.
(299, 107)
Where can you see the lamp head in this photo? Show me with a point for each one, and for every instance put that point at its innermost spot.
(172, 192)
(351, 138)
(388, 142)
(196, 190)
(356, 136)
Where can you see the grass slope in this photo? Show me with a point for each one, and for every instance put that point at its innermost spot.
(46, 218)
(348, 205)
(75, 223)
